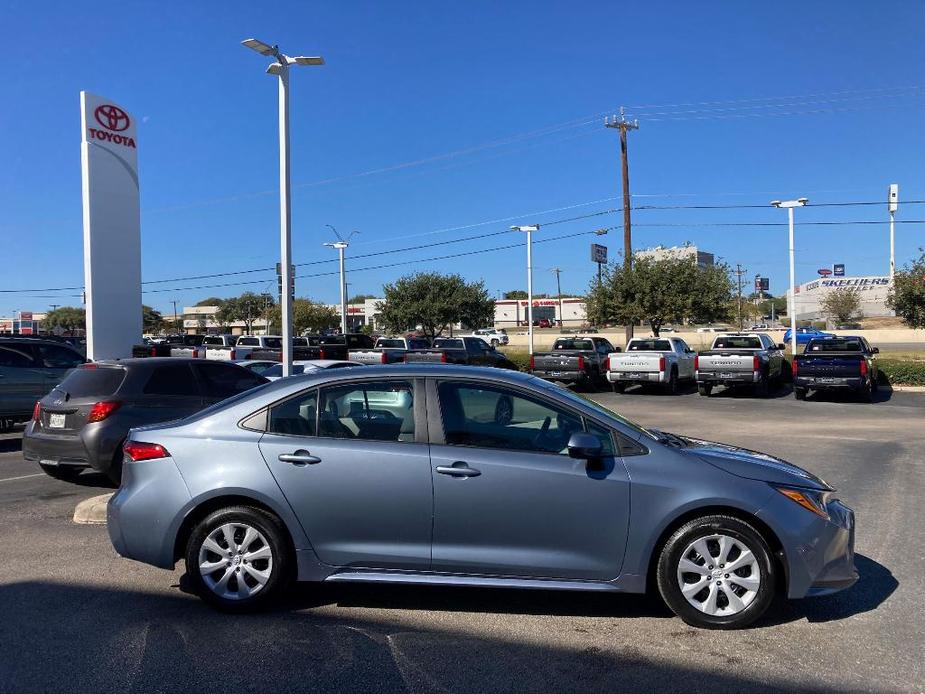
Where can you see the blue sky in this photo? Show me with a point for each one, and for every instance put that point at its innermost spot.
(436, 121)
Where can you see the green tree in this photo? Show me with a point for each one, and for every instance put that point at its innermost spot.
(67, 318)
(515, 294)
(211, 301)
(841, 304)
(660, 291)
(307, 316)
(907, 296)
(360, 298)
(246, 308)
(151, 320)
(434, 301)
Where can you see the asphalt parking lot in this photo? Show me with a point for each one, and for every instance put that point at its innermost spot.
(76, 617)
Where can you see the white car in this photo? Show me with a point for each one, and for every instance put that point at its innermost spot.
(307, 366)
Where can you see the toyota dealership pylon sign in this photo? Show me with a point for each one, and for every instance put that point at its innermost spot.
(112, 227)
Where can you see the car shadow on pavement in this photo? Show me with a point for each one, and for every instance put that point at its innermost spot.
(11, 445)
(75, 637)
(783, 390)
(875, 584)
(883, 394)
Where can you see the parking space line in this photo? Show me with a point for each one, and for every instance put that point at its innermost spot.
(22, 477)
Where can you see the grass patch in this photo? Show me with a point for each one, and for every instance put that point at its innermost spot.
(901, 372)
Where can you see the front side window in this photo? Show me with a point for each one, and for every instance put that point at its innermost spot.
(493, 417)
(381, 411)
(296, 416)
(15, 357)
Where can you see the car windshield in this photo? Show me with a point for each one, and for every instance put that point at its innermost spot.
(92, 381)
(581, 345)
(849, 344)
(577, 398)
(737, 342)
(649, 346)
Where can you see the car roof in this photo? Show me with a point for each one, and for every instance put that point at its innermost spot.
(153, 361)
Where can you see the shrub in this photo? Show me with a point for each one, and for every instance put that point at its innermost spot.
(901, 372)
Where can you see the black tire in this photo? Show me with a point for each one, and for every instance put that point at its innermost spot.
(763, 387)
(867, 392)
(702, 528)
(65, 473)
(280, 565)
(704, 389)
(494, 343)
(799, 393)
(619, 387)
(671, 388)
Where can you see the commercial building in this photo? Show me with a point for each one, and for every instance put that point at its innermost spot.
(873, 291)
(702, 258)
(513, 312)
(201, 319)
(23, 323)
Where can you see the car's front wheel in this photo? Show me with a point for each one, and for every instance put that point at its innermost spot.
(237, 558)
(716, 572)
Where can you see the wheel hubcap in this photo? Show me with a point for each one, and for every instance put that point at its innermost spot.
(719, 575)
(235, 561)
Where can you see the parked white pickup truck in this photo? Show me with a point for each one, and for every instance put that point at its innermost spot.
(492, 336)
(662, 361)
(240, 347)
(388, 350)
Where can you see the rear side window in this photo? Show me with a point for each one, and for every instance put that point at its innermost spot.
(93, 381)
(296, 416)
(223, 381)
(57, 357)
(171, 379)
(16, 357)
(372, 411)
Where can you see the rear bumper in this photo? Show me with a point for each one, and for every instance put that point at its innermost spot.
(636, 377)
(564, 376)
(825, 383)
(819, 552)
(728, 379)
(144, 515)
(90, 447)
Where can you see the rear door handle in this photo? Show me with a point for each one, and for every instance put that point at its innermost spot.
(300, 457)
(458, 469)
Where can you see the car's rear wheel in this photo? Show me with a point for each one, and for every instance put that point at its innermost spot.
(799, 393)
(66, 473)
(671, 388)
(237, 558)
(704, 389)
(716, 572)
(763, 387)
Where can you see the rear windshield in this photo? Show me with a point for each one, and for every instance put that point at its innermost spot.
(845, 345)
(448, 343)
(649, 346)
(574, 344)
(92, 381)
(735, 342)
(391, 343)
(273, 342)
(213, 340)
(332, 340)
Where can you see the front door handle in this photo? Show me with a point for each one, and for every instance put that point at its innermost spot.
(458, 469)
(300, 457)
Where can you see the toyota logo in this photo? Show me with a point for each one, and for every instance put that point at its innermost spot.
(111, 117)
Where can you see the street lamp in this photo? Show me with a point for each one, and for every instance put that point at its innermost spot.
(281, 70)
(341, 244)
(792, 308)
(529, 229)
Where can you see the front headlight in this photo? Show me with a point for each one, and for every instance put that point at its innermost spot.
(811, 500)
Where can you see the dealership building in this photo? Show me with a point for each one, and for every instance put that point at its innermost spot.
(873, 291)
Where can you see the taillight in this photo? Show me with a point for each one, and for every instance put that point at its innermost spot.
(793, 367)
(863, 364)
(661, 363)
(153, 352)
(37, 411)
(321, 354)
(405, 358)
(443, 357)
(581, 363)
(139, 450)
(697, 363)
(89, 366)
(606, 363)
(532, 363)
(383, 359)
(234, 355)
(756, 363)
(101, 410)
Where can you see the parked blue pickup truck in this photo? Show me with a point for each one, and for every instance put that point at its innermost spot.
(836, 363)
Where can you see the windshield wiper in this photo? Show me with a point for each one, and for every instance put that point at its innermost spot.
(669, 439)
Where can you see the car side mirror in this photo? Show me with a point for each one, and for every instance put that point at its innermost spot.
(584, 445)
(875, 350)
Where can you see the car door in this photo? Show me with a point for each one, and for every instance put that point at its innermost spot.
(352, 460)
(507, 497)
(22, 382)
(56, 361)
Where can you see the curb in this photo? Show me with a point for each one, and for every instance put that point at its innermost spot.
(908, 389)
(92, 511)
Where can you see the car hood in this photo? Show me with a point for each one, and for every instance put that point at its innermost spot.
(752, 465)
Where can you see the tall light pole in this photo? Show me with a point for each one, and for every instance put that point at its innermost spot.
(529, 229)
(558, 272)
(792, 307)
(893, 204)
(341, 245)
(280, 69)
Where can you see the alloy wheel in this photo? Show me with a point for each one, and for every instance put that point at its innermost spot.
(235, 561)
(719, 575)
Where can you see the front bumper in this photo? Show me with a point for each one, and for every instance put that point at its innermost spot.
(819, 553)
(144, 515)
(823, 383)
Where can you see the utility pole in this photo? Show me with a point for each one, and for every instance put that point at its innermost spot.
(176, 322)
(528, 229)
(54, 306)
(624, 126)
(341, 245)
(740, 271)
(893, 204)
(558, 271)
